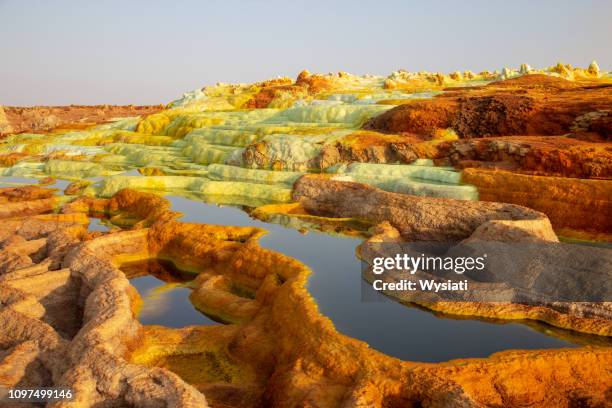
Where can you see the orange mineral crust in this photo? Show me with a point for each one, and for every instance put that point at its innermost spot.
(579, 204)
(79, 309)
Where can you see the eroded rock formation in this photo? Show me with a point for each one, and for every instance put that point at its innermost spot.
(419, 218)
(536, 155)
(279, 351)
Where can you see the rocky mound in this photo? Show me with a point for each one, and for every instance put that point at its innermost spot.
(419, 218)
(536, 81)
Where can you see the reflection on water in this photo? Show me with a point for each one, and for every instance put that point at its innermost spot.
(163, 289)
(20, 181)
(405, 332)
(14, 181)
(100, 224)
(408, 333)
(59, 184)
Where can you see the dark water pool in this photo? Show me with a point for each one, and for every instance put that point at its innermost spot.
(18, 181)
(402, 331)
(99, 224)
(165, 294)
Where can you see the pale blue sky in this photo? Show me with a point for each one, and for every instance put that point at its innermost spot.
(86, 52)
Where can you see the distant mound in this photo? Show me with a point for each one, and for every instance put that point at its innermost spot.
(535, 81)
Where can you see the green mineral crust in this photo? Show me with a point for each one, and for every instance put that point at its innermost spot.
(217, 143)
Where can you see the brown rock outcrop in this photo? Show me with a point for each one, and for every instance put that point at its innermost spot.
(375, 147)
(305, 84)
(543, 155)
(420, 117)
(528, 105)
(416, 218)
(266, 95)
(315, 83)
(602, 126)
(40, 119)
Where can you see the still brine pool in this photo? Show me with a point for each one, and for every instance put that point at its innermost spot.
(402, 331)
(165, 293)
